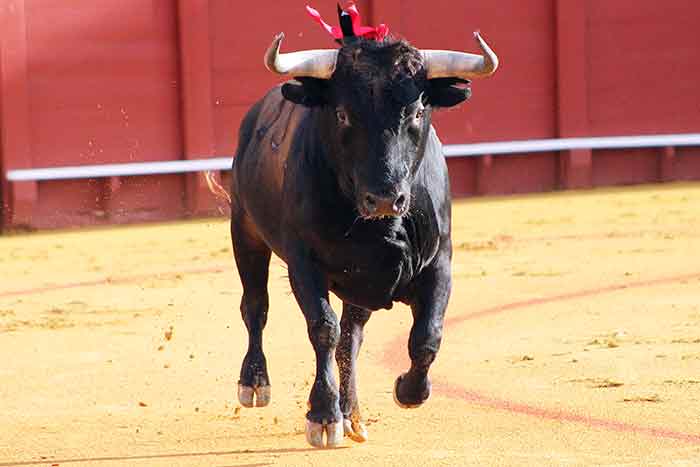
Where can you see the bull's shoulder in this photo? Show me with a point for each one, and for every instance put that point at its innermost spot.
(271, 120)
(271, 105)
(266, 142)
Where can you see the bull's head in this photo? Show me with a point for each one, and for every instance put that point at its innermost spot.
(375, 100)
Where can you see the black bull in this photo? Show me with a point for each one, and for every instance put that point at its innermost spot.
(344, 178)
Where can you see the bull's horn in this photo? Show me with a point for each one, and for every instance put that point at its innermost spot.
(450, 64)
(309, 63)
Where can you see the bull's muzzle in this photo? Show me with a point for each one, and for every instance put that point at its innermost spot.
(375, 206)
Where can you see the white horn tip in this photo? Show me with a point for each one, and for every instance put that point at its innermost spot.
(272, 51)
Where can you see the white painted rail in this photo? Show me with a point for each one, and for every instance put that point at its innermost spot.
(120, 170)
(451, 150)
(564, 144)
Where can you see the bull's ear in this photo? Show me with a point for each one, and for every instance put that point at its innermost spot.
(448, 92)
(310, 92)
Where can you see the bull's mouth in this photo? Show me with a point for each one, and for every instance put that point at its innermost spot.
(366, 216)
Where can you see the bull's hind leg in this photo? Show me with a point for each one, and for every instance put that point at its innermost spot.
(253, 261)
(352, 324)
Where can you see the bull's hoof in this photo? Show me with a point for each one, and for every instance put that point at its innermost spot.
(407, 399)
(356, 431)
(333, 431)
(253, 396)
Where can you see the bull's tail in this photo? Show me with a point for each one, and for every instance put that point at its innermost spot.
(218, 191)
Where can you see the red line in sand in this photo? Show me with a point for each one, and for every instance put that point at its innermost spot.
(456, 392)
(393, 358)
(112, 281)
(569, 296)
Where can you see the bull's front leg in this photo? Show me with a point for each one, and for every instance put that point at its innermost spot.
(310, 288)
(432, 294)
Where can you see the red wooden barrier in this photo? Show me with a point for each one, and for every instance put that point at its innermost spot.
(105, 81)
(572, 75)
(14, 113)
(196, 95)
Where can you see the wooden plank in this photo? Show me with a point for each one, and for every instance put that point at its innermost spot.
(15, 139)
(575, 170)
(667, 164)
(196, 95)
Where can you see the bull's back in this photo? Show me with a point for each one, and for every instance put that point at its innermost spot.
(265, 142)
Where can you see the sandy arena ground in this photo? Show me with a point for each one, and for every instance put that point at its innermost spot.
(573, 339)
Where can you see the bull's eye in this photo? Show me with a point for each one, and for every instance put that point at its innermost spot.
(342, 117)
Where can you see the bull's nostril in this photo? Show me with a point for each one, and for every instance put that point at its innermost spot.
(371, 203)
(400, 202)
